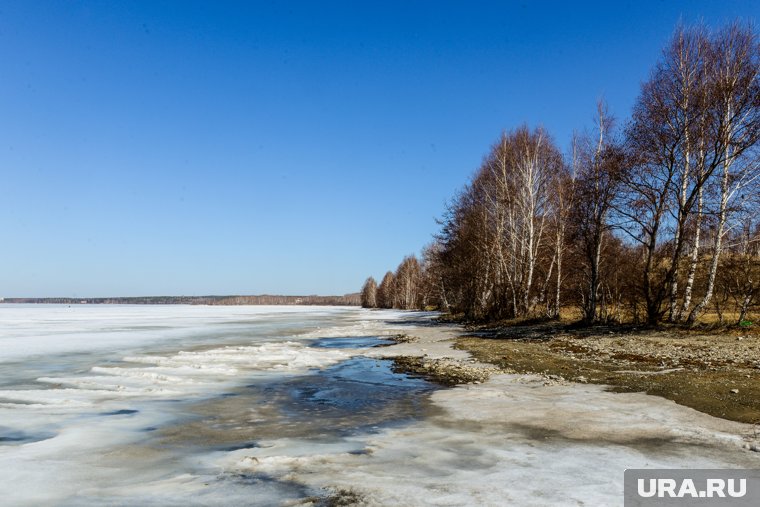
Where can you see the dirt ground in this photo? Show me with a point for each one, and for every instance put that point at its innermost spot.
(714, 372)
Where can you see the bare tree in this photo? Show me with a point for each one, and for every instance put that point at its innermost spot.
(562, 197)
(369, 293)
(433, 287)
(407, 281)
(386, 291)
(600, 169)
(660, 142)
(686, 91)
(642, 204)
(694, 115)
(522, 169)
(495, 233)
(735, 118)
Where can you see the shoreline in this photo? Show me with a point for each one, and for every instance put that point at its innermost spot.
(717, 375)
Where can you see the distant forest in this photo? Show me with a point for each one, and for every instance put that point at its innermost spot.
(657, 220)
(345, 300)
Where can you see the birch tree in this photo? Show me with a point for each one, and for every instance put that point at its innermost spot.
(369, 293)
(735, 113)
(694, 118)
(407, 281)
(386, 291)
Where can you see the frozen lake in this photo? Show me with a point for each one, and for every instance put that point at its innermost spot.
(196, 405)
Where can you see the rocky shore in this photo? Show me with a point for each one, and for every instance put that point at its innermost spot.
(449, 372)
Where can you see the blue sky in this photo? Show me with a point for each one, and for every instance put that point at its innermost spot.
(280, 147)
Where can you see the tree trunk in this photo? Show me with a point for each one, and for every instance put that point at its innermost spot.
(717, 248)
(693, 259)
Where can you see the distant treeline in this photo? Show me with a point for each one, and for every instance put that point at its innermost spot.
(658, 220)
(345, 300)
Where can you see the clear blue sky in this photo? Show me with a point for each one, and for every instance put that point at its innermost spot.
(280, 147)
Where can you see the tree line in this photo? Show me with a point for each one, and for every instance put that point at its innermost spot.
(656, 221)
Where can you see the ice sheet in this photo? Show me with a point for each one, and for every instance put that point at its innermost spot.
(44, 330)
(90, 395)
(511, 441)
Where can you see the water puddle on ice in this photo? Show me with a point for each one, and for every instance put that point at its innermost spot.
(351, 342)
(355, 396)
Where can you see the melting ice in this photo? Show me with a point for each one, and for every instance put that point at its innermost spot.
(193, 405)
